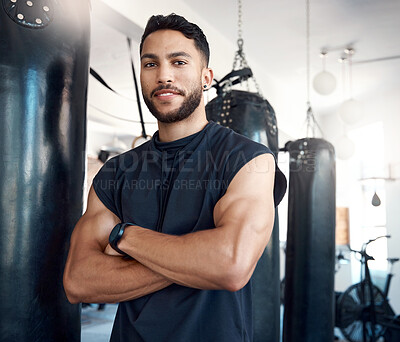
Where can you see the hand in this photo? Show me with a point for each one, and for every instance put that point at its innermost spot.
(111, 251)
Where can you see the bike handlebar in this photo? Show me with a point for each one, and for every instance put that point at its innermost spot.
(382, 236)
(365, 245)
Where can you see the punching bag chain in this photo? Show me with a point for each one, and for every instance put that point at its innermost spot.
(240, 56)
(239, 61)
(308, 49)
(240, 40)
(311, 122)
(310, 119)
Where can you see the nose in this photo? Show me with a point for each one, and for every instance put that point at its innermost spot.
(165, 74)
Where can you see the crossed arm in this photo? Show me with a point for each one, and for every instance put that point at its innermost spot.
(92, 276)
(219, 258)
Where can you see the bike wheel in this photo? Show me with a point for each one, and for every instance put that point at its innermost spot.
(351, 312)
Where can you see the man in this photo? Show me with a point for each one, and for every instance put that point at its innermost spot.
(196, 205)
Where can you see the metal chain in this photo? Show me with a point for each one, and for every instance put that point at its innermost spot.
(310, 115)
(308, 49)
(239, 61)
(239, 55)
(311, 121)
(240, 20)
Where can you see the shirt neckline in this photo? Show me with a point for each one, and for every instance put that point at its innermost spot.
(180, 143)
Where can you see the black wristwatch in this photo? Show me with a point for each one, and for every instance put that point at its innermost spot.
(116, 235)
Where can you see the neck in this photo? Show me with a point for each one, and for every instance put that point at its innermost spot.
(181, 129)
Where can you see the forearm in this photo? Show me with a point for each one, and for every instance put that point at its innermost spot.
(203, 259)
(102, 278)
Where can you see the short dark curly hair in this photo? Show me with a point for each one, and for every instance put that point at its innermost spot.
(178, 23)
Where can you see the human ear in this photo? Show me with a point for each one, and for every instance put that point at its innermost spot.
(207, 77)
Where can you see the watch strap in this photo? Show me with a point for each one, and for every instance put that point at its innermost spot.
(116, 236)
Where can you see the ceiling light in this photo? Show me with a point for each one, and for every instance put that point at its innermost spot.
(324, 83)
(350, 111)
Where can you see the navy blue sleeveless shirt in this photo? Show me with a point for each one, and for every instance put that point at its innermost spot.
(173, 188)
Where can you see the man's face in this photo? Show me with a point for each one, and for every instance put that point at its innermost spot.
(171, 75)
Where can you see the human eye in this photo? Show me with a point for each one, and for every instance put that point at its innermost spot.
(179, 62)
(149, 64)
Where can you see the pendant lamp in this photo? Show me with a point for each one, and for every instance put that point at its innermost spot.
(350, 110)
(324, 83)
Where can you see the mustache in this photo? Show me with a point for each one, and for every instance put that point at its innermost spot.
(169, 87)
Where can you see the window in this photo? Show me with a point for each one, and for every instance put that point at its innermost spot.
(366, 170)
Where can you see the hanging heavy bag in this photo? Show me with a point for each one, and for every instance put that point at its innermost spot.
(44, 57)
(310, 249)
(245, 112)
(249, 114)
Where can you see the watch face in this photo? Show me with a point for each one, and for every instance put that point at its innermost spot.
(114, 233)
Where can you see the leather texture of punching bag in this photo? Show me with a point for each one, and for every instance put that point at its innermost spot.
(44, 50)
(248, 114)
(252, 116)
(310, 250)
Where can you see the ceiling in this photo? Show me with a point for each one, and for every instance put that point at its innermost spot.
(274, 34)
(275, 31)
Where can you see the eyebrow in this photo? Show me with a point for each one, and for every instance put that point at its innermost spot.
(171, 55)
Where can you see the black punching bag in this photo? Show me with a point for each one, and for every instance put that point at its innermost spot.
(310, 250)
(44, 49)
(252, 116)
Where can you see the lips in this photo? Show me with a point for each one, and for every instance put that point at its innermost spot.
(165, 92)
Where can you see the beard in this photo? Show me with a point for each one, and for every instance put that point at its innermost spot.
(190, 103)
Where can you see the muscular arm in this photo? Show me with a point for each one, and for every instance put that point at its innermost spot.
(220, 258)
(92, 276)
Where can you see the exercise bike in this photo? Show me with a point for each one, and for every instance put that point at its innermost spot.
(363, 312)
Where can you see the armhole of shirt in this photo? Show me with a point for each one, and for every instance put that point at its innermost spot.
(239, 165)
(280, 183)
(243, 162)
(101, 187)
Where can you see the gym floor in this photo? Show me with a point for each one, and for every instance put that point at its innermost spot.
(97, 325)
